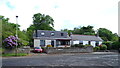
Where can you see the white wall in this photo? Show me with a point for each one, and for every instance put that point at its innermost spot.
(100, 42)
(75, 42)
(47, 42)
(36, 42)
(85, 42)
(93, 43)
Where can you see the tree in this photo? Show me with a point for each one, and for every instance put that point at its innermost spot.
(9, 29)
(43, 22)
(84, 30)
(40, 22)
(68, 31)
(107, 35)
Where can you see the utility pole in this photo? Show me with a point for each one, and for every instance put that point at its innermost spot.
(16, 32)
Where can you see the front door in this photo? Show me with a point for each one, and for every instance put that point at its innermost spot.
(52, 43)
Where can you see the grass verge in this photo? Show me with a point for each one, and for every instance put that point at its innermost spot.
(13, 54)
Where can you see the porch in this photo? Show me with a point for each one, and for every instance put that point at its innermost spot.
(63, 43)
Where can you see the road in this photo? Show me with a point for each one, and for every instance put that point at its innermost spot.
(76, 59)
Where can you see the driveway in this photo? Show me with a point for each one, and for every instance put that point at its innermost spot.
(70, 59)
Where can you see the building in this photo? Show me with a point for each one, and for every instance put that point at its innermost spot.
(86, 39)
(55, 38)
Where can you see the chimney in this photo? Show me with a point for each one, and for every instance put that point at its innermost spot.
(97, 33)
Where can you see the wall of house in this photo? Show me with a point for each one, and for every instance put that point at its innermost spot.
(75, 42)
(85, 42)
(47, 42)
(100, 42)
(93, 43)
(36, 42)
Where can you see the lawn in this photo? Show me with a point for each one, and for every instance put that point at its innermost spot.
(14, 54)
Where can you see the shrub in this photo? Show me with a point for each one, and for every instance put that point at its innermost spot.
(108, 44)
(96, 48)
(76, 45)
(79, 45)
(103, 47)
(116, 45)
(87, 45)
(10, 42)
(49, 45)
(109, 47)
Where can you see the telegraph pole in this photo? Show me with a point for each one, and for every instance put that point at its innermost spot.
(16, 32)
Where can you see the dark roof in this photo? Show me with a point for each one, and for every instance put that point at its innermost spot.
(86, 38)
(47, 34)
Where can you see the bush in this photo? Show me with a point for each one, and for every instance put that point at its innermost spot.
(108, 44)
(116, 45)
(87, 45)
(103, 47)
(78, 45)
(96, 48)
(49, 45)
(109, 47)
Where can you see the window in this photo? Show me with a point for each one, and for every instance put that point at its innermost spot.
(61, 34)
(81, 42)
(42, 33)
(97, 43)
(52, 34)
(89, 42)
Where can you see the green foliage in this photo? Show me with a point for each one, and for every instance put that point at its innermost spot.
(81, 30)
(108, 44)
(43, 22)
(78, 45)
(107, 35)
(87, 45)
(96, 48)
(103, 47)
(84, 30)
(9, 29)
(40, 22)
(13, 54)
(116, 45)
(68, 31)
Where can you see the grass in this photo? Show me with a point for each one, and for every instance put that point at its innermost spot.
(13, 54)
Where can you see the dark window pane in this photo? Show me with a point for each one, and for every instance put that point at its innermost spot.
(61, 34)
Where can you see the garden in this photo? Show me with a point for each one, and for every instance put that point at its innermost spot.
(12, 46)
(108, 46)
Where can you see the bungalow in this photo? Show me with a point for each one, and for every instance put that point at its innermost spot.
(86, 39)
(54, 38)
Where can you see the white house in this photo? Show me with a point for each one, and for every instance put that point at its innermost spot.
(55, 38)
(86, 39)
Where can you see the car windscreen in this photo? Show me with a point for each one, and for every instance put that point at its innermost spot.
(37, 48)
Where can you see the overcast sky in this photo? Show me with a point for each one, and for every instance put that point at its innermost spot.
(66, 13)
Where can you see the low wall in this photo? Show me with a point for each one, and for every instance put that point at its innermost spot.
(87, 49)
(106, 51)
(25, 49)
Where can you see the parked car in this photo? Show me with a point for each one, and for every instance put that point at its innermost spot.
(38, 49)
